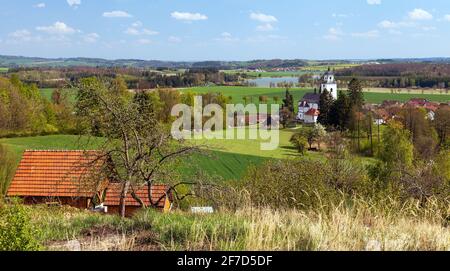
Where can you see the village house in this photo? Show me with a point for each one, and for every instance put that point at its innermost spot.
(74, 178)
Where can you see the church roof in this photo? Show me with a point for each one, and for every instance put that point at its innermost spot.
(311, 98)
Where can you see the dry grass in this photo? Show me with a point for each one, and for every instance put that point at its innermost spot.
(352, 225)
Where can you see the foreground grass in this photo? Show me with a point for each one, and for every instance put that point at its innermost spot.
(385, 226)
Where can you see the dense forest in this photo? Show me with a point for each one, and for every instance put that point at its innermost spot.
(134, 77)
(401, 75)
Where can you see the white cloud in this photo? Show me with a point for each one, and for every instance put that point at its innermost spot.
(117, 14)
(40, 5)
(144, 41)
(447, 17)
(74, 3)
(226, 37)
(58, 28)
(263, 18)
(266, 20)
(265, 27)
(333, 34)
(137, 29)
(391, 25)
(187, 16)
(137, 32)
(368, 35)
(137, 24)
(174, 39)
(420, 14)
(23, 34)
(91, 38)
(374, 2)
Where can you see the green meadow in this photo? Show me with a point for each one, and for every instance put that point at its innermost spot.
(228, 165)
(238, 93)
(3, 70)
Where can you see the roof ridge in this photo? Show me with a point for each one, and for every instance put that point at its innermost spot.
(62, 150)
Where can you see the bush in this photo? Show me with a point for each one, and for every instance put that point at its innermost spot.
(301, 184)
(16, 232)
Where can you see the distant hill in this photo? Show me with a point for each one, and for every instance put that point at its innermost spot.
(21, 61)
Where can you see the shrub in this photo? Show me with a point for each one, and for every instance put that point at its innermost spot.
(300, 184)
(16, 232)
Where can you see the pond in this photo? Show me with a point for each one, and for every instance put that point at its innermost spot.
(266, 81)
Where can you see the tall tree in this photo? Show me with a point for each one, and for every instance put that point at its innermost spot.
(325, 105)
(355, 93)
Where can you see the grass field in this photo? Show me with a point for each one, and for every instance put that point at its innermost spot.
(228, 165)
(3, 70)
(268, 73)
(238, 93)
(47, 93)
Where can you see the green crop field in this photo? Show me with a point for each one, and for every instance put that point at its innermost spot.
(268, 73)
(3, 70)
(238, 93)
(231, 166)
(227, 158)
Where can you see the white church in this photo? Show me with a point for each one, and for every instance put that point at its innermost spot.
(308, 107)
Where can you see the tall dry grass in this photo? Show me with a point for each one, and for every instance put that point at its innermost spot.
(362, 226)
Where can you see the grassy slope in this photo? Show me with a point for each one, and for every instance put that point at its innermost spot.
(226, 164)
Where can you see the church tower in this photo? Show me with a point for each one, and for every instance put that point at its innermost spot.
(329, 83)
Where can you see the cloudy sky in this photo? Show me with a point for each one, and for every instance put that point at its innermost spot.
(225, 29)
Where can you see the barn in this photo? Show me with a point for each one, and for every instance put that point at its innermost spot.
(73, 178)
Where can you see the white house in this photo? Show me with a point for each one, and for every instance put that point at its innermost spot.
(309, 101)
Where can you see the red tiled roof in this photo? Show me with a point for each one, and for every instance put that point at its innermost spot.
(158, 195)
(56, 174)
(313, 112)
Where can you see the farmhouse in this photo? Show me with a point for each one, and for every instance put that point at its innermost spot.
(308, 107)
(73, 178)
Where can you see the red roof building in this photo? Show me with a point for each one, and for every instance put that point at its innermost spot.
(74, 178)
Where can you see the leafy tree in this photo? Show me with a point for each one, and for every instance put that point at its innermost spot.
(288, 101)
(355, 93)
(396, 146)
(299, 142)
(320, 134)
(442, 125)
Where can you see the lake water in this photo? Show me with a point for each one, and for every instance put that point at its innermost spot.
(265, 81)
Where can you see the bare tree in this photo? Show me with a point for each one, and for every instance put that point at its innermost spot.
(138, 148)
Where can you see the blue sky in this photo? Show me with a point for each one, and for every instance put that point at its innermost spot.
(225, 29)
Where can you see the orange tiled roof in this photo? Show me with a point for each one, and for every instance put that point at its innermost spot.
(158, 193)
(56, 174)
(313, 112)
